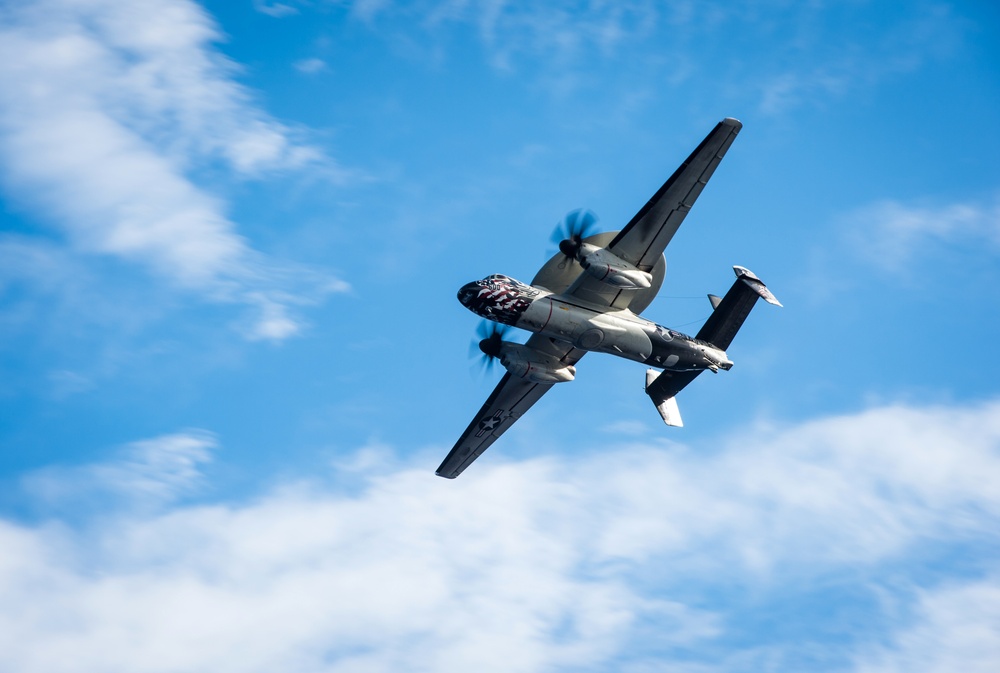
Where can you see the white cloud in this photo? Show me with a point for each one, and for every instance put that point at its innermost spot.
(275, 9)
(890, 234)
(106, 107)
(310, 66)
(560, 31)
(606, 560)
(152, 472)
(957, 629)
(807, 59)
(824, 65)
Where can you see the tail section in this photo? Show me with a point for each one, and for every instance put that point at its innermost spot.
(662, 388)
(720, 328)
(664, 400)
(733, 309)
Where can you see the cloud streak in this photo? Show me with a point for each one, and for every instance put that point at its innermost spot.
(150, 473)
(546, 564)
(108, 108)
(809, 62)
(891, 233)
(956, 628)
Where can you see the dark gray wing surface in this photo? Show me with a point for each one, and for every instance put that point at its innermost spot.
(668, 384)
(510, 399)
(733, 309)
(646, 236)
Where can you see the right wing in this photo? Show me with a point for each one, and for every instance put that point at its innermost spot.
(510, 399)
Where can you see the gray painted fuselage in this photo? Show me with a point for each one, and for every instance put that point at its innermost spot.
(591, 328)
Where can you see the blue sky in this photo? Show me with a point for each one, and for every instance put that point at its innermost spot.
(230, 240)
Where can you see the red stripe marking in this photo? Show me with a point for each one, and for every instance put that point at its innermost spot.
(550, 315)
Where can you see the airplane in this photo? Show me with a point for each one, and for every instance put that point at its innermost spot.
(589, 297)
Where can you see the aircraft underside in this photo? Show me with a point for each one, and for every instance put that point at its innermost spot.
(588, 298)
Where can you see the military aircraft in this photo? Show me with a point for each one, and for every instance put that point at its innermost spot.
(588, 297)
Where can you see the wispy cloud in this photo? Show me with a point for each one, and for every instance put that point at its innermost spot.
(956, 628)
(807, 60)
(275, 8)
(310, 66)
(608, 560)
(107, 110)
(150, 472)
(561, 31)
(890, 233)
(509, 31)
(817, 64)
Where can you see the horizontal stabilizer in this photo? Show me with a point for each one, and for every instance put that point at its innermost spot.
(662, 388)
(714, 300)
(732, 311)
(669, 412)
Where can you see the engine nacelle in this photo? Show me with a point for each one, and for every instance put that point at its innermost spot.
(609, 268)
(528, 364)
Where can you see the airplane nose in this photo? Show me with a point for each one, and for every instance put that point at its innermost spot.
(467, 292)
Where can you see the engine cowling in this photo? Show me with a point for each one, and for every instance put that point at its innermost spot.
(609, 268)
(526, 363)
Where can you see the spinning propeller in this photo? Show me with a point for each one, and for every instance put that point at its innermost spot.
(491, 339)
(571, 231)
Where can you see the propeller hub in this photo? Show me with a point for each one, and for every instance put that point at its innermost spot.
(491, 346)
(569, 247)
(574, 228)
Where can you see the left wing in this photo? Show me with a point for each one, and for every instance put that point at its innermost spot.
(645, 237)
(510, 399)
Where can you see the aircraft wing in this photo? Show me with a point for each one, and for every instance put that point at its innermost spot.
(646, 236)
(510, 399)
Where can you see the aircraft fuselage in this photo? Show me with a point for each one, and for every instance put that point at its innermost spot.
(616, 332)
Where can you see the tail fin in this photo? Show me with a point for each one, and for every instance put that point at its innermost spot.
(662, 388)
(729, 314)
(663, 397)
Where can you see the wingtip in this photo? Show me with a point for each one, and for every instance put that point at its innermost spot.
(735, 123)
(751, 279)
